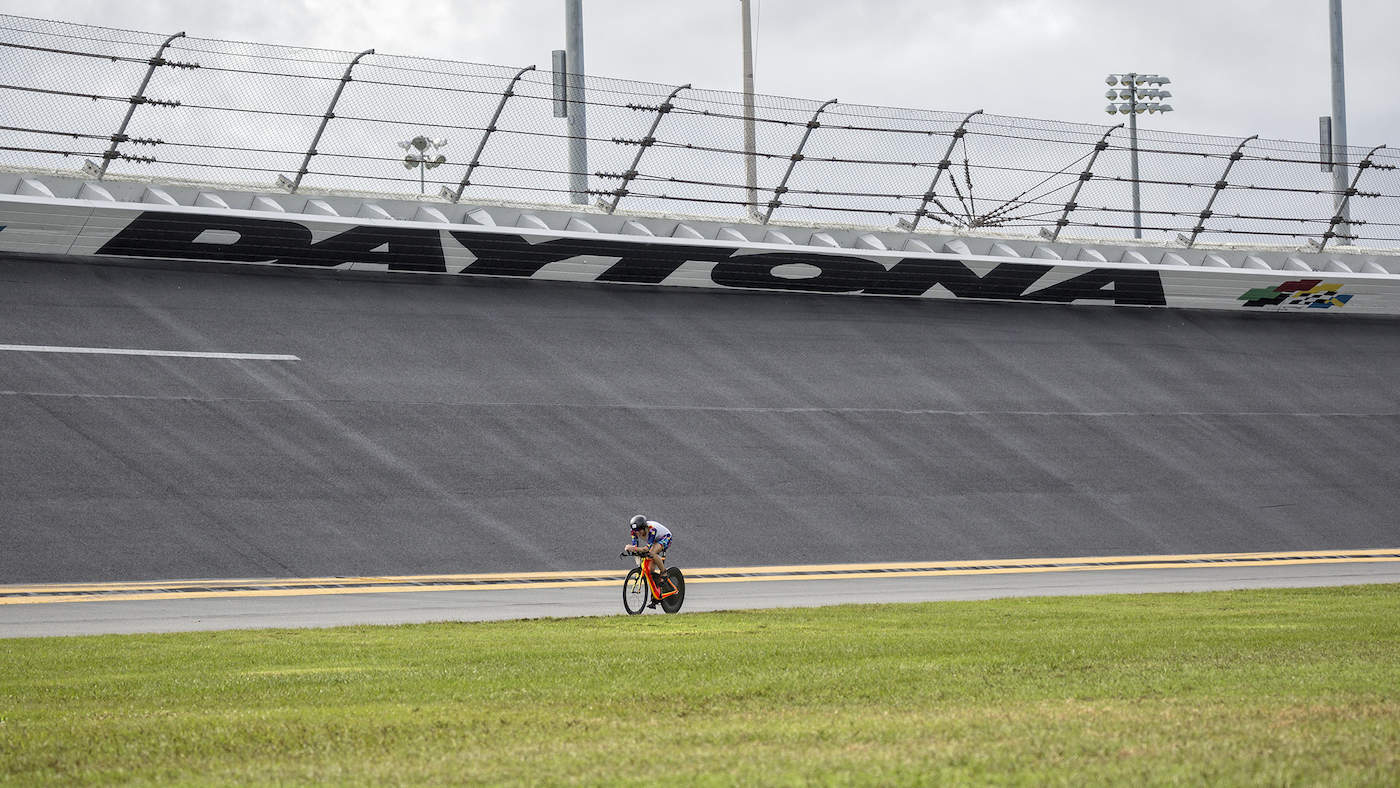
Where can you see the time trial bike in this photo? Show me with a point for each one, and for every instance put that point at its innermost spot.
(642, 587)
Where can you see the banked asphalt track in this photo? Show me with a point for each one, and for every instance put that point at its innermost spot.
(403, 425)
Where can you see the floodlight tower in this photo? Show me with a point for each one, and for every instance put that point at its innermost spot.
(418, 156)
(1130, 98)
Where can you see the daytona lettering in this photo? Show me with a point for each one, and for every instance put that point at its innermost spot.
(284, 242)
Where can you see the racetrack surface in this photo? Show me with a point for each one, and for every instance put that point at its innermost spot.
(443, 426)
(233, 611)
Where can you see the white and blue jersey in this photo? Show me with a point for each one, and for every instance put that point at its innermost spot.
(655, 533)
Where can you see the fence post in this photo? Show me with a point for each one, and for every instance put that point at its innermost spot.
(1219, 187)
(137, 100)
(796, 157)
(943, 165)
(642, 145)
(292, 184)
(1088, 173)
(1342, 217)
(456, 195)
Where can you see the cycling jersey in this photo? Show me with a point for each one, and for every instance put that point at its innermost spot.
(656, 533)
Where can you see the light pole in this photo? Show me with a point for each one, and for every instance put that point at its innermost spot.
(1339, 113)
(419, 157)
(577, 103)
(750, 139)
(1132, 99)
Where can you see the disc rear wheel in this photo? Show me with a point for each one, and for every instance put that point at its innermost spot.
(672, 602)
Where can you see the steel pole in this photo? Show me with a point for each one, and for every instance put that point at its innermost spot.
(1348, 192)
(642, 145)
(292, 184)
(455, 196)
(136, 100)
(578, 111)
(1220, 186)
(1084, 177)
(1133, 147)
(778, 192)
(943, 165)
(1339, 115)
(750, 136)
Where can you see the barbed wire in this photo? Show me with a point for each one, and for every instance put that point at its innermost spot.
(73, 52)
(1023, 218)
(867, 165)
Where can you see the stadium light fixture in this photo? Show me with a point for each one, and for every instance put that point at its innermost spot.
(1132, 99)
(418, 156)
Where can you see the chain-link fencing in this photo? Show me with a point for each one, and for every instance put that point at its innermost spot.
(129, 104)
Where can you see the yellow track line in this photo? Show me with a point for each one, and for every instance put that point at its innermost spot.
(613, 573)
(1002, 570)
(272, 587)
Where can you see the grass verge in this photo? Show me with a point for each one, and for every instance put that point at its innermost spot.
(1276, 686)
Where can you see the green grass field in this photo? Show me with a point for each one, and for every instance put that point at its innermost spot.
(1275, 687)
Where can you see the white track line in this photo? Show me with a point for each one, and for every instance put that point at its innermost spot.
(117, 351)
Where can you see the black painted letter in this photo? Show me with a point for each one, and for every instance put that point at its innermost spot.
(174, 235)
(1124, 286)
(839, 274)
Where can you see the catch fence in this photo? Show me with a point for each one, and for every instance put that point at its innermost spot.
(121, 103)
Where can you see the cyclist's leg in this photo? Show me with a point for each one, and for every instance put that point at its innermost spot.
(656, 578)
(660, 562)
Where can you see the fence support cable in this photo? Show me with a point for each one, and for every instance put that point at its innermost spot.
(1084, 177)
(292, 184)
(1342, 216)
(910, 226)
(642, 145)
(137, 100)
(455, 195)
(1219, 187)
(796, 157)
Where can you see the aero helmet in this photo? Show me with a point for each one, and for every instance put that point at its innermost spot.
(639, 522)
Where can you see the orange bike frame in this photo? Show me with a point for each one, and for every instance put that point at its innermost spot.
(655, 592)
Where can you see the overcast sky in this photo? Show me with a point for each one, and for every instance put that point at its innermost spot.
(1238, 67)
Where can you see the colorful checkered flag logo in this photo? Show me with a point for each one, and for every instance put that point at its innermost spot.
(1299, 294)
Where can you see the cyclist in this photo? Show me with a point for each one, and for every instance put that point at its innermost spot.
(649, 538)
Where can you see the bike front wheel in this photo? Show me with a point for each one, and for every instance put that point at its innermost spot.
(635, 592)
(672, 602)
